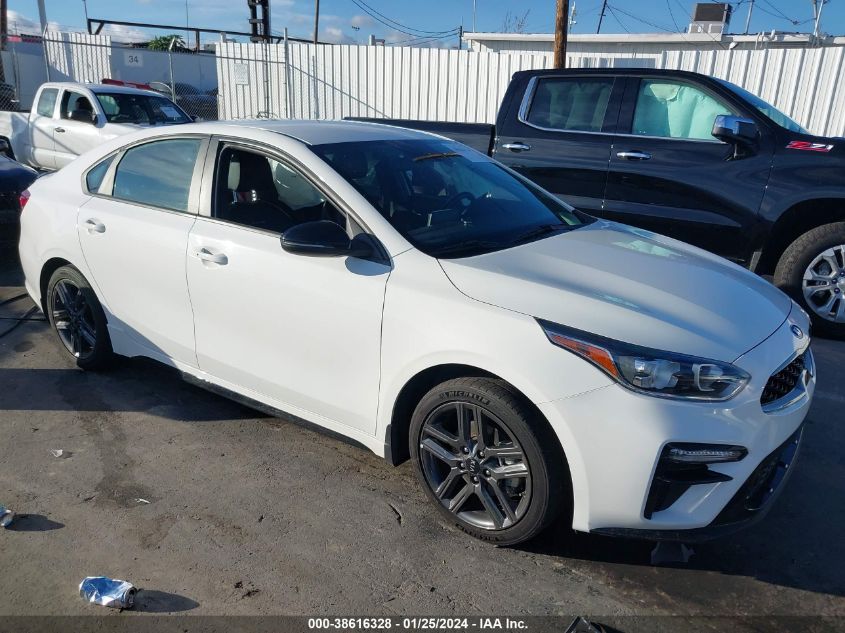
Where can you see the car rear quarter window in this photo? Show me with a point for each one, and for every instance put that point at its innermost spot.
(576, 104)
(158, 174)
(673, 109)
(47, 102)
(96, 175)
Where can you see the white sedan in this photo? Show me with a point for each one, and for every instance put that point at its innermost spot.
(423, 300)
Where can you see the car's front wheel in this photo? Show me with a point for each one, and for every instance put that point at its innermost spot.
(78, 319)
(812, 271)
(487, 461)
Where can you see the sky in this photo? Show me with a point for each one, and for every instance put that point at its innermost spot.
(417, 22)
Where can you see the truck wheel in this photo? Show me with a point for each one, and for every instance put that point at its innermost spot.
(486, 461)
(812, 271)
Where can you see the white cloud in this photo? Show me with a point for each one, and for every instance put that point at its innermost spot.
(362, 21)
(335, 35)
(19, 23)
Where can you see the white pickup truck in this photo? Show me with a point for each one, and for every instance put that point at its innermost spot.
(68, 119)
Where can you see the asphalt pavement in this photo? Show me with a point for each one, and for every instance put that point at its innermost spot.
(214, 509)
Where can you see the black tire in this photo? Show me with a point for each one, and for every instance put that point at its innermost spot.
(789, 274)
(96, 356)
(505, 413)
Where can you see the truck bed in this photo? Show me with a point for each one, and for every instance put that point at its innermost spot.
(478, 136)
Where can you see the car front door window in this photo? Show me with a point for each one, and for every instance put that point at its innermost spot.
(675, 110)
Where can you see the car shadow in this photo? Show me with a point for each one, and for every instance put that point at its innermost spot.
(33, 523)
(153, 601)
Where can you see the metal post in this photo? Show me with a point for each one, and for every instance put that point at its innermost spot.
(748, 17)
(170, 65)
(601, 15)
(817, 9)
(42, 15)
(473, 16)
(316, 19)
(288, 95)
(4, 30)
(45, 48)
(460, 36)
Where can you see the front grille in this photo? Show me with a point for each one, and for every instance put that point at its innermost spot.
(783, 382)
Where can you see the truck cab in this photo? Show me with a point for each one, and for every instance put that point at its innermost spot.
(68, 119)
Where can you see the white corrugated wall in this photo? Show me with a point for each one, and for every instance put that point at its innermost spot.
(333, 81)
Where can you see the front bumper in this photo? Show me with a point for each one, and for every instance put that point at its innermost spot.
(613, 439)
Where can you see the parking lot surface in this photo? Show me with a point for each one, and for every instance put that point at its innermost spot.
(214, 509)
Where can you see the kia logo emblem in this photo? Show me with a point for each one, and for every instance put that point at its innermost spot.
(797, 331)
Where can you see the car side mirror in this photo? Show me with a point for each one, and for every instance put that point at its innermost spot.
(5, 148)
(735, 130)
(324, 239)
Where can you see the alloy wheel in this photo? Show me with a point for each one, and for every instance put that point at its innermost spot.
(824, 284)
(73, 319)
(474, 466)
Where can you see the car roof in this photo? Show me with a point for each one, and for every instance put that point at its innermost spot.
(97, 88)
(322, 132)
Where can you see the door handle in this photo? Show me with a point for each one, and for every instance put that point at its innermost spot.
(516, 147)
(213, 258)
(59, 129)
(95, 226)
(634, 155)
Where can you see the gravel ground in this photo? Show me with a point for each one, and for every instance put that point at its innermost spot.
(214, 509)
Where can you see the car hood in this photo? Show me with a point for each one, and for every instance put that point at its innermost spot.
(629, 285)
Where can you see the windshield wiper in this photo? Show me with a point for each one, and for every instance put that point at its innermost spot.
(436, 155)
(539, 231)
(469, 247)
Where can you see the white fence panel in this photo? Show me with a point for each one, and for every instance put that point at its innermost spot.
(332, 82)
(77, 56)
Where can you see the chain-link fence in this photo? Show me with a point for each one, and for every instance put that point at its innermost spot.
(188, 78)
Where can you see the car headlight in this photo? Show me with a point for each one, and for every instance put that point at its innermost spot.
(650, 371)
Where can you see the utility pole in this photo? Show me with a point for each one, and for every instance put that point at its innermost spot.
(601, 15)
(561, 33)
(316, 19)
(748, 17)
(42, 16)
(473, 16)
(460, 35)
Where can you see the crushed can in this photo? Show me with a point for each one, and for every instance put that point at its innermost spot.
(6, 517)
(108, 592)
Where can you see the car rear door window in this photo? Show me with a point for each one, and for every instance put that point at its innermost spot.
(673, 109)
(47, 102)
(158, 174)
(572, 104)
(96, 175)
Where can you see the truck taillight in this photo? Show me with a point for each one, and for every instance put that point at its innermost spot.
(24, 198)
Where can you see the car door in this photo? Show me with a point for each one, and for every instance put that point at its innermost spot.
(74, 134)
(41, 129)
(560, 134)
(669, 175)
(134, 235)
(302, 332)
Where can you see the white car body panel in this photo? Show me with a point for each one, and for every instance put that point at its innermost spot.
(287, 329)
(335, 340)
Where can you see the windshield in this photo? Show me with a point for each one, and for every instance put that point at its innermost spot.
(766, 108)
(140, 109)
(446, 199)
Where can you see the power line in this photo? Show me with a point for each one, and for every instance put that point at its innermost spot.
(672, 15)
(616, 17)
(639, 19)
(397, 26)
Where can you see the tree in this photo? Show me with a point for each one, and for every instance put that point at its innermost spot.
(163, 43)
(514, 23)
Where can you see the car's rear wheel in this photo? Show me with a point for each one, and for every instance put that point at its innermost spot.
(812, 271)
(77, 317)
(486, 460)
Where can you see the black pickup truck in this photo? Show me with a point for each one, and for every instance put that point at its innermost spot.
(685, 155)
